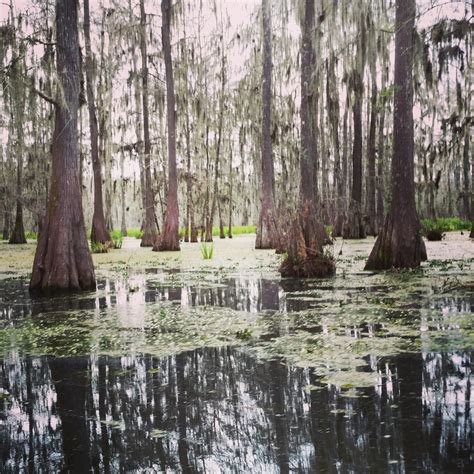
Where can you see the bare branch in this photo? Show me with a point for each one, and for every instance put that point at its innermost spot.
(45, 97)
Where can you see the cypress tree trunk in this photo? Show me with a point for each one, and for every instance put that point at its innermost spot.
(187, 135)
(215, 194)
(123, 185)
(6, 226)
(466, 163)
(169, 239)
(399, 243)
(105, 118)
(307, 157)
(341, 218)
(266, 229)
(149, 228)
(355, 227)
(189, 178)
(231, 182)
(18, 234)
(221, 221)
(380, 168)
(333, 112)
(62, 259)
(371, 152)
(325, 204)
(138, 127)
(205, 233)
(471, 235)
(306, 236)
(99, 232)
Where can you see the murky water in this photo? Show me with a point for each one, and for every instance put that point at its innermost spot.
(254, 406)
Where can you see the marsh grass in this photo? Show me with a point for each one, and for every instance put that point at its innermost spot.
(137, 233)
(117, 239)
(444, 224)
(98, 247)
(207, 250)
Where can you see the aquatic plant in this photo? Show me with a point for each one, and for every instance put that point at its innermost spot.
(99, 247)
(117, 239)
(207, 251)
(444, 224)
(137, 233)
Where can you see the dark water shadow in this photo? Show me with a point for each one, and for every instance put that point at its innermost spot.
(220, 410)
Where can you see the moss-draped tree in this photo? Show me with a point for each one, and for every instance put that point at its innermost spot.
(62, 260)
(306, 236)
(99, 232)
(149, 227)
(399, 243)
(266, 228)
(169, 239)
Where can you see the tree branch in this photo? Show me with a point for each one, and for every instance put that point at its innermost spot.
(45, 97)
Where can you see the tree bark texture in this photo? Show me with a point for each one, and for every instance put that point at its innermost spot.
(231, 183)
(266, 228)
(123, 186)
(99, 232)
(62, 260)
(18, 106)
(371, 161)
(307, 140)
(380, 169)
(354, 228)
(169, 239)
(306, 237)
(399, 244)
(149, 228)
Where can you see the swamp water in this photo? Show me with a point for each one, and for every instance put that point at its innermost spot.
(227, 368)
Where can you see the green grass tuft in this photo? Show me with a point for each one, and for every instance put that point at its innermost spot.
(117, 238)
(31, 235)
(444, 224)
(137, 233)
(207, 250)
(98, 247)
(236, 230)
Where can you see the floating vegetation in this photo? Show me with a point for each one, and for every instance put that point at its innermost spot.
(337, 327)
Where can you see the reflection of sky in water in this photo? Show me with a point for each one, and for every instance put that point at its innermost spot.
(219, 409)
(242, 294)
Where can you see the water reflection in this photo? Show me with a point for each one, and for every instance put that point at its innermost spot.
(250, 294)
(128, 293)
(219, 410)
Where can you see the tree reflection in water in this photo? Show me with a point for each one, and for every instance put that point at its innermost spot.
(220, 410)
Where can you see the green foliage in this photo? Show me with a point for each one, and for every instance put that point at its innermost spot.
(207, 250)
(444, 224)
(117, 239)
(137, 233)
(98, 247)
(244, 334)
(31, 235)
(387, 92)
(238, 230)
